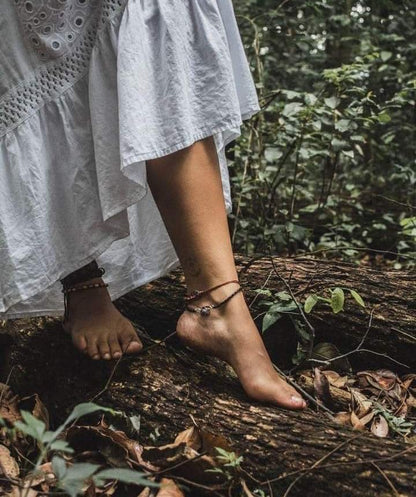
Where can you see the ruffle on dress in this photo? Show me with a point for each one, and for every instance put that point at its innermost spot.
(138, 80)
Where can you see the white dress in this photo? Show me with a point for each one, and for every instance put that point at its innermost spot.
(90, 90)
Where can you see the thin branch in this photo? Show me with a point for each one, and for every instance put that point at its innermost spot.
(317, 463)
(327, 411)
(383, 474)
(300, 309)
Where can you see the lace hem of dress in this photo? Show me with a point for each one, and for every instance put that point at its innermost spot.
(53, 78)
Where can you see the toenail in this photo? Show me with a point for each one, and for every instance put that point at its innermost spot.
(298, 400)
(95, 356)
(107, 356)
(116, 355)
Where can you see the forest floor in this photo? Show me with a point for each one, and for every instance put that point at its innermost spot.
(173, 423)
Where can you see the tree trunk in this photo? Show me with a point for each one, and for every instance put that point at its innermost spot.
(167, 385)
(389, 293)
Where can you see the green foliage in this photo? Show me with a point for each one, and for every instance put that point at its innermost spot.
(397, 424)
(229, 463)
(329, 162)
(70, 478)
(336, 299)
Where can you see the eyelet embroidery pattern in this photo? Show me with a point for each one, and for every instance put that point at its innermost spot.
(52, 26)
(69, 62)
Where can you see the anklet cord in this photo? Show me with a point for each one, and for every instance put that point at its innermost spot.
(205, 310)
(67, 291)
(85, 273)
(197, 293)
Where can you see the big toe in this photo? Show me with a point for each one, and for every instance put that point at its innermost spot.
(80, 342)
(134, 347)
(130, 343)
(275, 391)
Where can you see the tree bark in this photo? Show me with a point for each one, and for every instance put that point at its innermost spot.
(389, 293)
(168, 385)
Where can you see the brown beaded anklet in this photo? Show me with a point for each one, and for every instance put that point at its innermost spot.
(197, 293)
(85, 273)
(205, 310)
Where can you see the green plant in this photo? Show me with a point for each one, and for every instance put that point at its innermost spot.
(229, 463)
(336, 299)
(70, 478)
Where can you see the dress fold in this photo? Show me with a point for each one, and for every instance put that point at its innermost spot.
(87, 97)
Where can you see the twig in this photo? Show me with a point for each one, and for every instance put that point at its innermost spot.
(359, 249)
(178, 465)
(264, 284)
(327, 411)
(345, 463)
(109, 380)
(300, 309)
(383, 474)
(404, 333)
(317, 463)
(7, 382)
(359, 348)
(198, 485)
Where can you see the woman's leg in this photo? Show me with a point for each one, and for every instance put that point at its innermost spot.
(186, 186)
(96, 326)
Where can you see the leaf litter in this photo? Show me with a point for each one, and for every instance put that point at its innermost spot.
(379, 401)
(110, 444)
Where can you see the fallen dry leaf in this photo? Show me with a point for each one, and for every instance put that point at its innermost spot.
(335, 379)
(9, 409)
(380, 427)
(382, 379)
(34, 405)
(186, 453)
(356, 422)
(321, 388)
(360, 403)
(328, 351)
(169, 489)
(8, 464)
(343, 418)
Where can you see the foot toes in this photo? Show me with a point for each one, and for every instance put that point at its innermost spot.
(80, 342)
(133, 347)
(130, 343)
(115, 348)
(104, 348)
(92, 348)
(276, 391)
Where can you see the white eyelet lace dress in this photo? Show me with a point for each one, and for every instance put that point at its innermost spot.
(90, 90)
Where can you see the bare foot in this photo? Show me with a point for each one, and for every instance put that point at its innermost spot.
(97, 327)
(230, 333)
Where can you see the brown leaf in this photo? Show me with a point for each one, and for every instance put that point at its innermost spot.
(335, 379)
(343, 418)
(185, 453)
(325, 351)
(356, 422)
(361, 404)
(9, 409)
(114, 446)
(8, 464)
(411, 401)
(382, 379)
(34, 405)
(380, 427)
(367, 418)
(169, 489)
(145, 492)
(321, 388)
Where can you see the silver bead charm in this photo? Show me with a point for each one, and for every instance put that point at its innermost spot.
(205, 310)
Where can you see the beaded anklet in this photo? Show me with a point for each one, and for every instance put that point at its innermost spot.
(85, 273)
(205, 310)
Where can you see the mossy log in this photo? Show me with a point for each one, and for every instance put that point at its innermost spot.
(171, 387)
